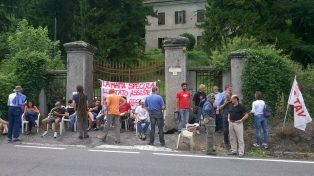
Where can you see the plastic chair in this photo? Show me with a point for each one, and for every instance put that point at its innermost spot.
(62, 124)
(185, 133)
(25, 122)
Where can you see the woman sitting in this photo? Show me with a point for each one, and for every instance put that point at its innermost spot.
(30, 113)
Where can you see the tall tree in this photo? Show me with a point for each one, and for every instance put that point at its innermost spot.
(287, 23)
(116, 27)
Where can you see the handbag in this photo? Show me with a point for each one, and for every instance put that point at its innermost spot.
(266, 112)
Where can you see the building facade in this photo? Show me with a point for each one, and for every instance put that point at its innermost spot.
(174, 17)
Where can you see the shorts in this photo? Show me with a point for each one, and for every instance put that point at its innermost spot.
(52, 119)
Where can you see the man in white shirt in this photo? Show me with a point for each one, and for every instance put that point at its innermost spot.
(141, 117)
(16, 103)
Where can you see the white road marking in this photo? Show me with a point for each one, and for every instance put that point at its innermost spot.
(136, 147)
(58, 145)
(233, 158)
(114, 151)
(40, 147)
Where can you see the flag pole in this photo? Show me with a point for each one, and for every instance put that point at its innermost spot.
(284, 121)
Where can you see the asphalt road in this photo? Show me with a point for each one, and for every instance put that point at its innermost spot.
(30, 160)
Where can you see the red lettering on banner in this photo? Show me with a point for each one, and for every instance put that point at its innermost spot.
(122, 92)
(145, 85)
(298, 107)
(113, 85)
(297, 100)
(139, 92)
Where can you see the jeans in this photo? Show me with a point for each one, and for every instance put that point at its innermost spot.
(226, 128)
(30, 116)
(219, 122)
(261, 123)
(156, 117)
(184, 115)
(72, 119)
(15, 122)
(142, 130)
(199, 114)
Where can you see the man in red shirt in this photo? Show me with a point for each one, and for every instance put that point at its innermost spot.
(183, 105)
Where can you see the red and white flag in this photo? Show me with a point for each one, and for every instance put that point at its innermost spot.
(301, 115)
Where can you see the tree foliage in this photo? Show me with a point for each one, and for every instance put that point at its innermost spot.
(287, 24)
(31, 54)
(192, 40)
(115, 27)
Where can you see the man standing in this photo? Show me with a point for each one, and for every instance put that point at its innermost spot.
(209, 116)
(80, 100)
(183, 105)
(198, 99)
(220, 97)
(236, 117)
(155, 104)
(113, 102)
(16, 102)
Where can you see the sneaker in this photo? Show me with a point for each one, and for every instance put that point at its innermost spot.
(256, 145)
(55, 135)
(163, 144)
(44, 134)
(96, 129)
(86, 136)
(151, 143)
(241, 155)
(143, 137)
(265, 146)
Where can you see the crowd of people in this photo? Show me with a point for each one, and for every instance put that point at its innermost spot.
(219, 112)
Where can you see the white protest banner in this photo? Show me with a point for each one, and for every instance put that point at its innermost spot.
(301, 115)
(133, 91)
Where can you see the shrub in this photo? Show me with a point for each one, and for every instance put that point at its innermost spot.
(269, 71)
(192, 40)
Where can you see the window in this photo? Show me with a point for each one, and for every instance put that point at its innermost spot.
(161, 18)
(160, 40)
(200, 15)
(179, 17)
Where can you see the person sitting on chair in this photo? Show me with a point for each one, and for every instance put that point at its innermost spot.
(94, 110)
(55, 116)
(72, 114)
(30, 113)
(125, 111)
(141, 117)
(102, 115)
(3, 126)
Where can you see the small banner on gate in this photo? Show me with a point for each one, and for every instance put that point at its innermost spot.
(133, 91)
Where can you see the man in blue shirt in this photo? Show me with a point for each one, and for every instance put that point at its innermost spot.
(16, 103)
(155, 106)
(209, 118)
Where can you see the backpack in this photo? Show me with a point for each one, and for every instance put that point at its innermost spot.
(266, 111)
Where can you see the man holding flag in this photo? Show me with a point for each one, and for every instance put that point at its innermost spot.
(301, 115)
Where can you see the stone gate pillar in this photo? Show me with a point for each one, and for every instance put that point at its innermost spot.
(175, 74)
(80, 59)
(237, 66)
